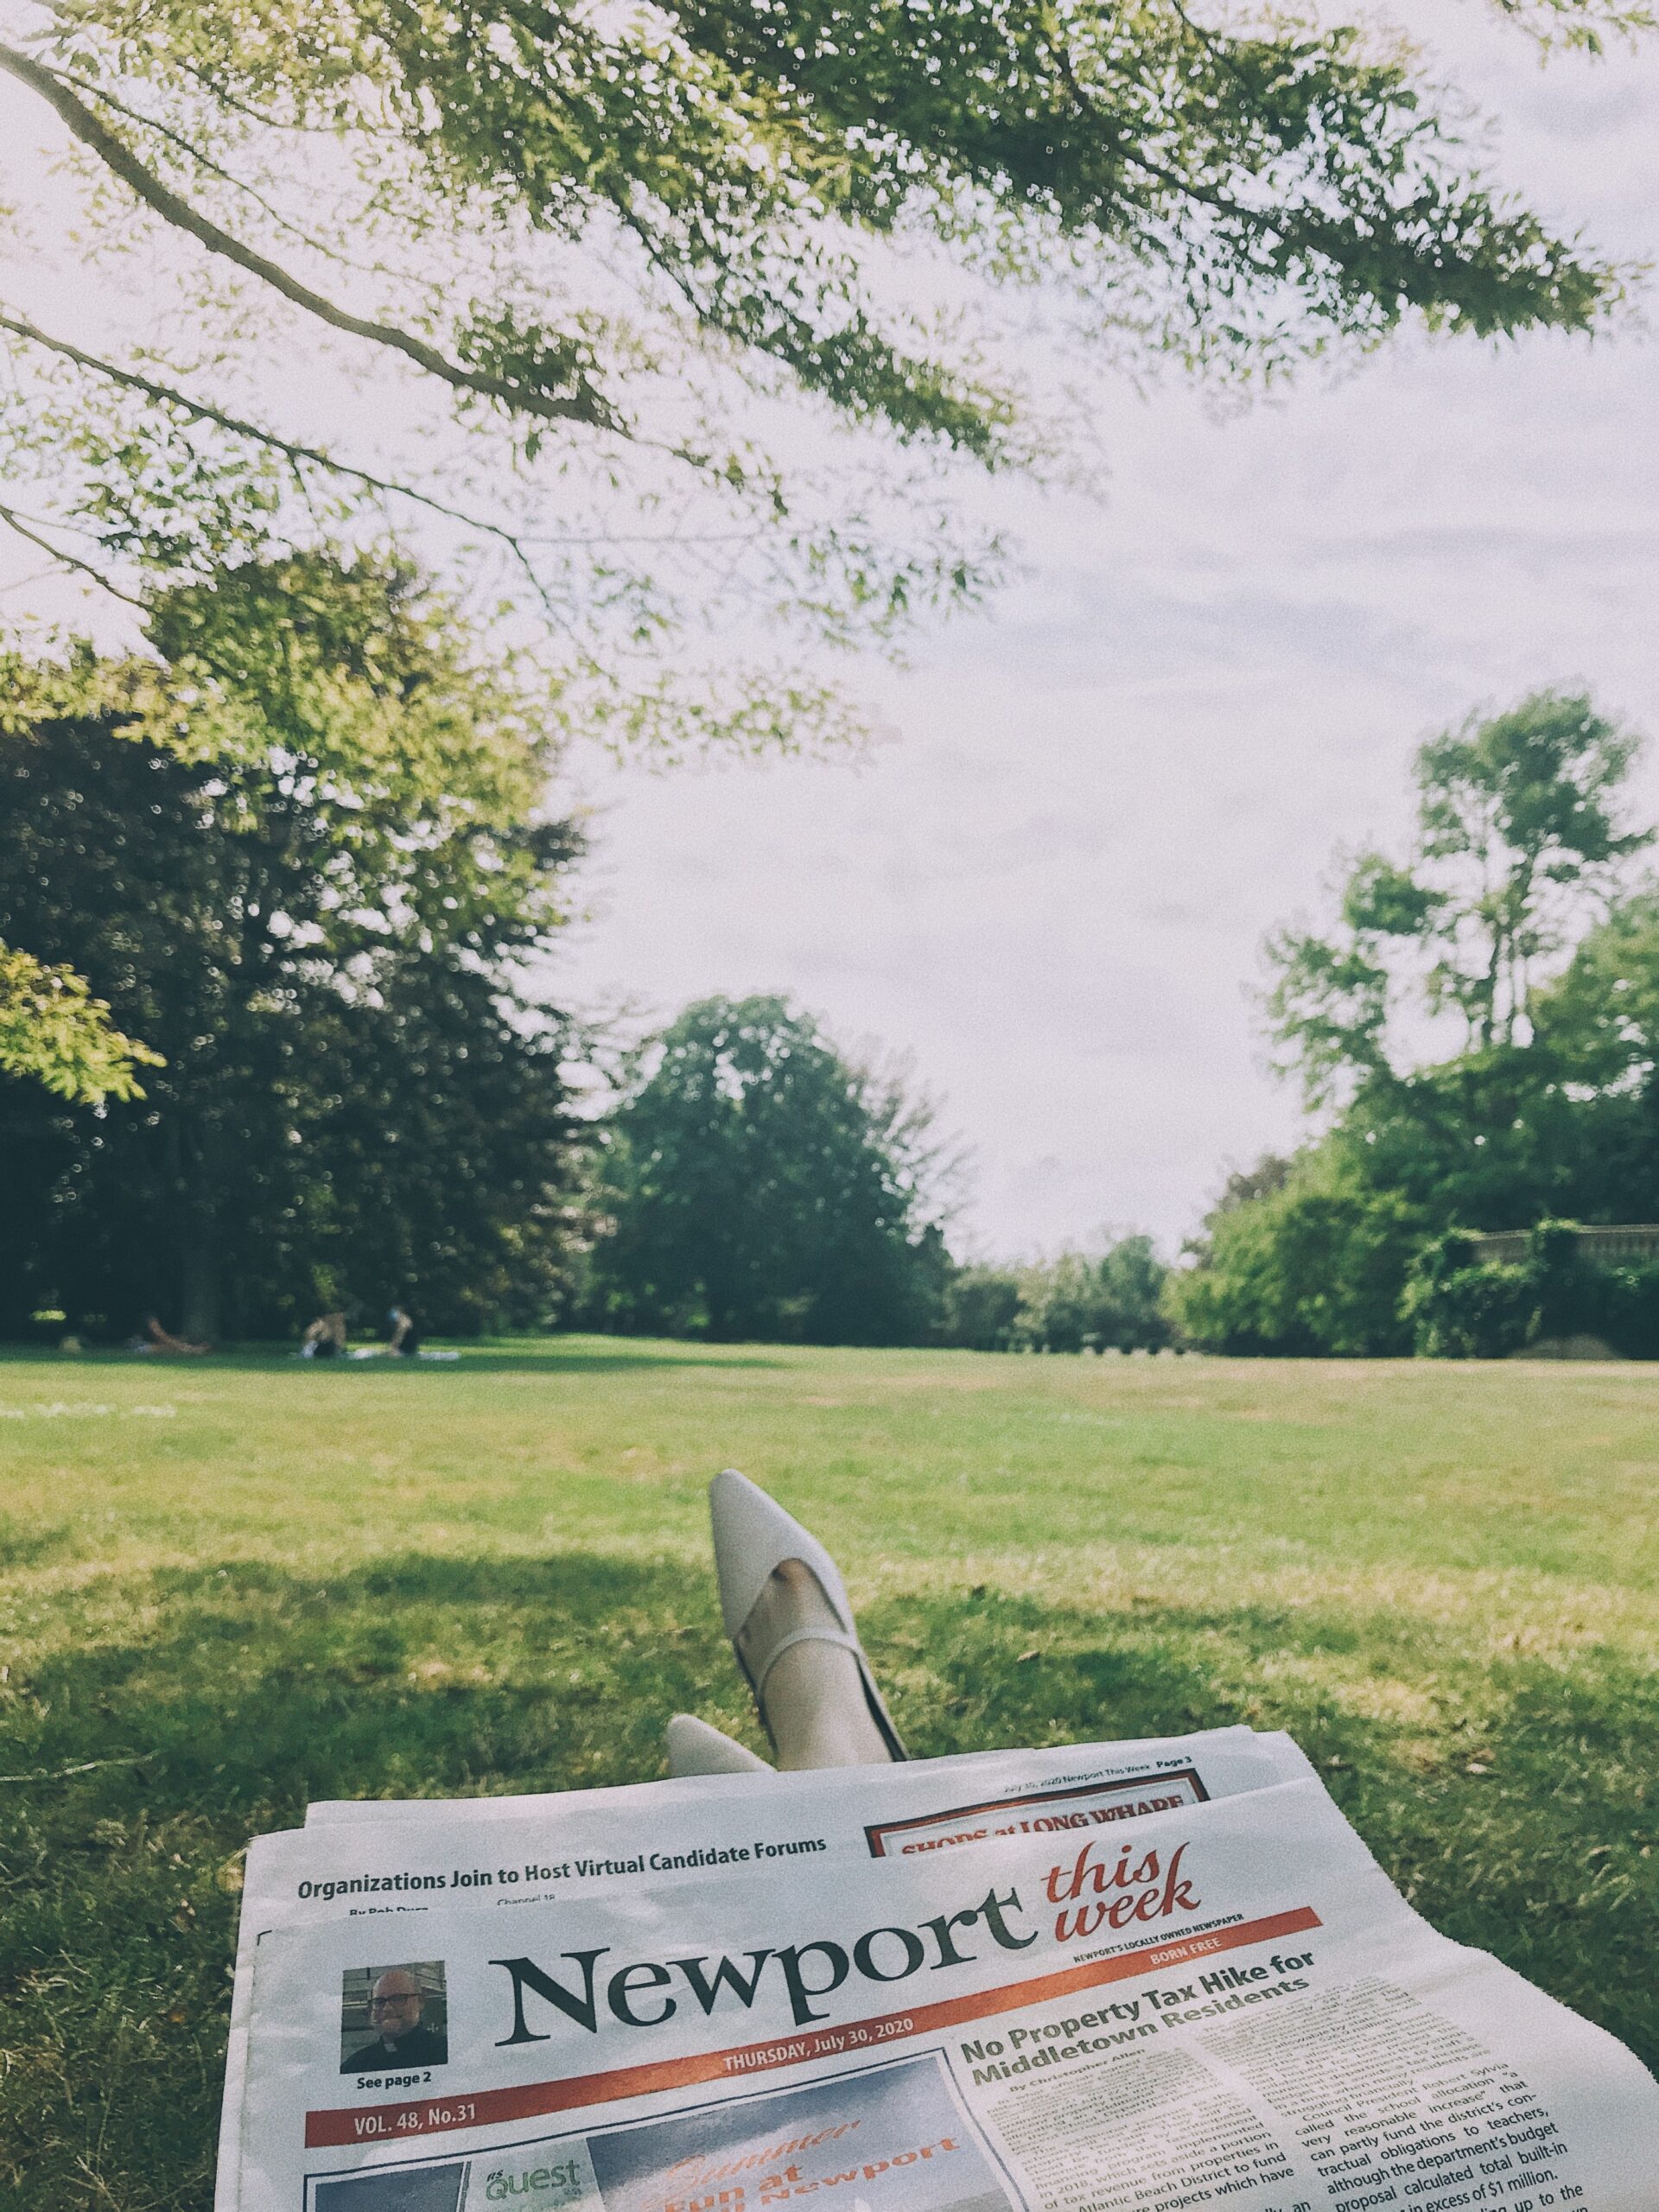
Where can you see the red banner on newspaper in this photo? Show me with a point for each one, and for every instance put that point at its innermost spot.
(491, 2107)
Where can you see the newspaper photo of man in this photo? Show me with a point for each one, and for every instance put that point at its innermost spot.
(394, 2019)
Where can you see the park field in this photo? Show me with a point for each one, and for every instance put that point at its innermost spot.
(233, 1584)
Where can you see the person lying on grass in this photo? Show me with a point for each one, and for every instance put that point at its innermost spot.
(154, 1337)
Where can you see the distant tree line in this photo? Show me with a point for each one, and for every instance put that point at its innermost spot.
(300, 852)
(1107, 1299)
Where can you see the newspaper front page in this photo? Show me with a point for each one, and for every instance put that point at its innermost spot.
(558, 1845)
(1224, 2002)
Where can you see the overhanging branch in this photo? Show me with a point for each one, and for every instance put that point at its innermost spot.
(15, 522)
(203, 411)
(117, 156)
(194, 153)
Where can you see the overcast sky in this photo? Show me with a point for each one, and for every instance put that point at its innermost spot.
(1051, 885)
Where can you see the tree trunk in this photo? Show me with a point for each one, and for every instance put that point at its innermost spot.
(199, 1253)
(200, 1272)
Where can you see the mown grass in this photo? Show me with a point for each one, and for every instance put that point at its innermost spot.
(232, 1585)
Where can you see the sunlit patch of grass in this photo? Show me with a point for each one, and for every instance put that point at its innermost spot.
(494, 1576)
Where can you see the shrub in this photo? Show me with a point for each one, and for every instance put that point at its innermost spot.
(980, 1306)
(1477, 1311)
(1632, 1311)
(1460, 1308)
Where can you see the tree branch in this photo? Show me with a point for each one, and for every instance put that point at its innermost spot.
(14, 521)
(517, 544)
(202, 410)
(117, 156)
(1263, 224)
(193, 152)
(215, 91)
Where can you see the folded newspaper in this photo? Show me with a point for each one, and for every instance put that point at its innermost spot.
(1107, 1978)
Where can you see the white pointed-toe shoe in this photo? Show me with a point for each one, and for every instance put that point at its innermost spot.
(695, 1748)
(753, 1536)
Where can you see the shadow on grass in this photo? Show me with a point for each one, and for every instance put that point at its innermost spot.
(223, 1700)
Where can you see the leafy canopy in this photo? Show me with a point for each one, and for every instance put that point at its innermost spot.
(362, 678)
(1600, 1017)
(53, 1031)
(614, 244)
(300, 854)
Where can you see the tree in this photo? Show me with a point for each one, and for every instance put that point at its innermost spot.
(606, 243)
(761, 1186)
(1518, 831)
(1496, 918)
(1600, 1023)
(1496, 1139)
(1316, 1267)
(298, 853)
(1601, 1016)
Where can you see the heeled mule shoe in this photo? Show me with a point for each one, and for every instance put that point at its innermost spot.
(695, 1748)
(753, 1536)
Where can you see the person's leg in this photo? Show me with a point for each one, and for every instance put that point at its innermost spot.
(787, 1612)
(815, 1703)
(812, 1694)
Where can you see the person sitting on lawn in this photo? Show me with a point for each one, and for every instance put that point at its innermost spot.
(405, 1339)
(325, 1337)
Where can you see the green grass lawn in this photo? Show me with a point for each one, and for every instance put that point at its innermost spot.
(235, 1584)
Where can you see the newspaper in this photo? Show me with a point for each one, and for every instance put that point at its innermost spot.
(1131, 1754)
(411, 1855)
(1223, 2001)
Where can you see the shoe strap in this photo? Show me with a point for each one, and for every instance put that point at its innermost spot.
(842, 1642)
(837, 1637)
